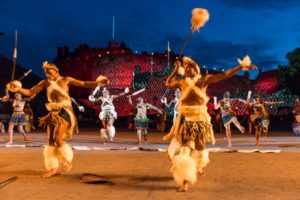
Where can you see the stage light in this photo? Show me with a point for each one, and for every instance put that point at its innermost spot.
(107, 52)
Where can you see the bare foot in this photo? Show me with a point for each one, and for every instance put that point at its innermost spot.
(67, 167)
(243, 130)
(201, 173)
(10, 142)
(183, 188)
(229, 145)
(50, 173)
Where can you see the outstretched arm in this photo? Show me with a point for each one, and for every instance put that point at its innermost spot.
(150, 106)
(27, 92)
(221, 76)
(245, 64)
(269, 103)
(121, 94)
(171, 80)
(130, 101)
(101, 81)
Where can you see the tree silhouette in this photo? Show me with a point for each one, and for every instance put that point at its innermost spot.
(289, 76)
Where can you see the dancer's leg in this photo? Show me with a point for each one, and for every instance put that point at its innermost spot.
(21, 130)
(10, 132)
(111, 128)
(238, 125)
(139, 135)
(228, 134)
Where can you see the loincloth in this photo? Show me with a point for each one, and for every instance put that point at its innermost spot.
(59, 112)
(192, 124)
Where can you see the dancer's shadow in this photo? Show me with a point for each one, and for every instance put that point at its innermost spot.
(122, 181)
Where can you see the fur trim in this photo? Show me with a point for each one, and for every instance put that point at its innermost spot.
(202, 158)
(184, 167)
(50, 157)
(112, 131)
(65, 153)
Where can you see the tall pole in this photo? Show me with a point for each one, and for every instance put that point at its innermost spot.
(14, 57)
(113, 28)
(169, 53)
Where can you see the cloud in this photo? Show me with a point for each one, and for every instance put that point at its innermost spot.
(262, 4)
(223, 54)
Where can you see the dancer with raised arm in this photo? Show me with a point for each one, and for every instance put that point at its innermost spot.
(18, 116)
(262, 120)
(141, 119)
(193, 128)
(173, 101)
(61, 120)
(108, 114)
(228, 116)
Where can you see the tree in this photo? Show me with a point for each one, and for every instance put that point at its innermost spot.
(289, 76)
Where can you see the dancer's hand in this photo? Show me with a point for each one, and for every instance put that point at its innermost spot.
(163, 100)
(246, 63)
(81, 108)
(92, 98)
(102, 80)
(14, 86)
(126, 90)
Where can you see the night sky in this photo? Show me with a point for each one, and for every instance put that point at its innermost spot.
(264, 29)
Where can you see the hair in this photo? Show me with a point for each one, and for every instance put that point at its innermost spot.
(191, 63)
(226, 94)
(50, 66)
(18, 94)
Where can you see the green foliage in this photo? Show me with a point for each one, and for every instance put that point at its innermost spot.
(289, 76)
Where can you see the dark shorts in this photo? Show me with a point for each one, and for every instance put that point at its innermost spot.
(262, 121)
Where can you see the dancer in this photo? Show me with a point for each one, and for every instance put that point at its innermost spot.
(173, 101)
(3, 99)
(29, 118)
(261, 121)
(61, 119)
(192, 128)
(296, 113)
(141, 119)
(228, 116)
(18, 116)
(108, 113)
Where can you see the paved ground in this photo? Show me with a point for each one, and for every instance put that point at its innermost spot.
(139, 174)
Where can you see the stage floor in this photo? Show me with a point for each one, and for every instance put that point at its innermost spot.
(90, 139)
(142, 172)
